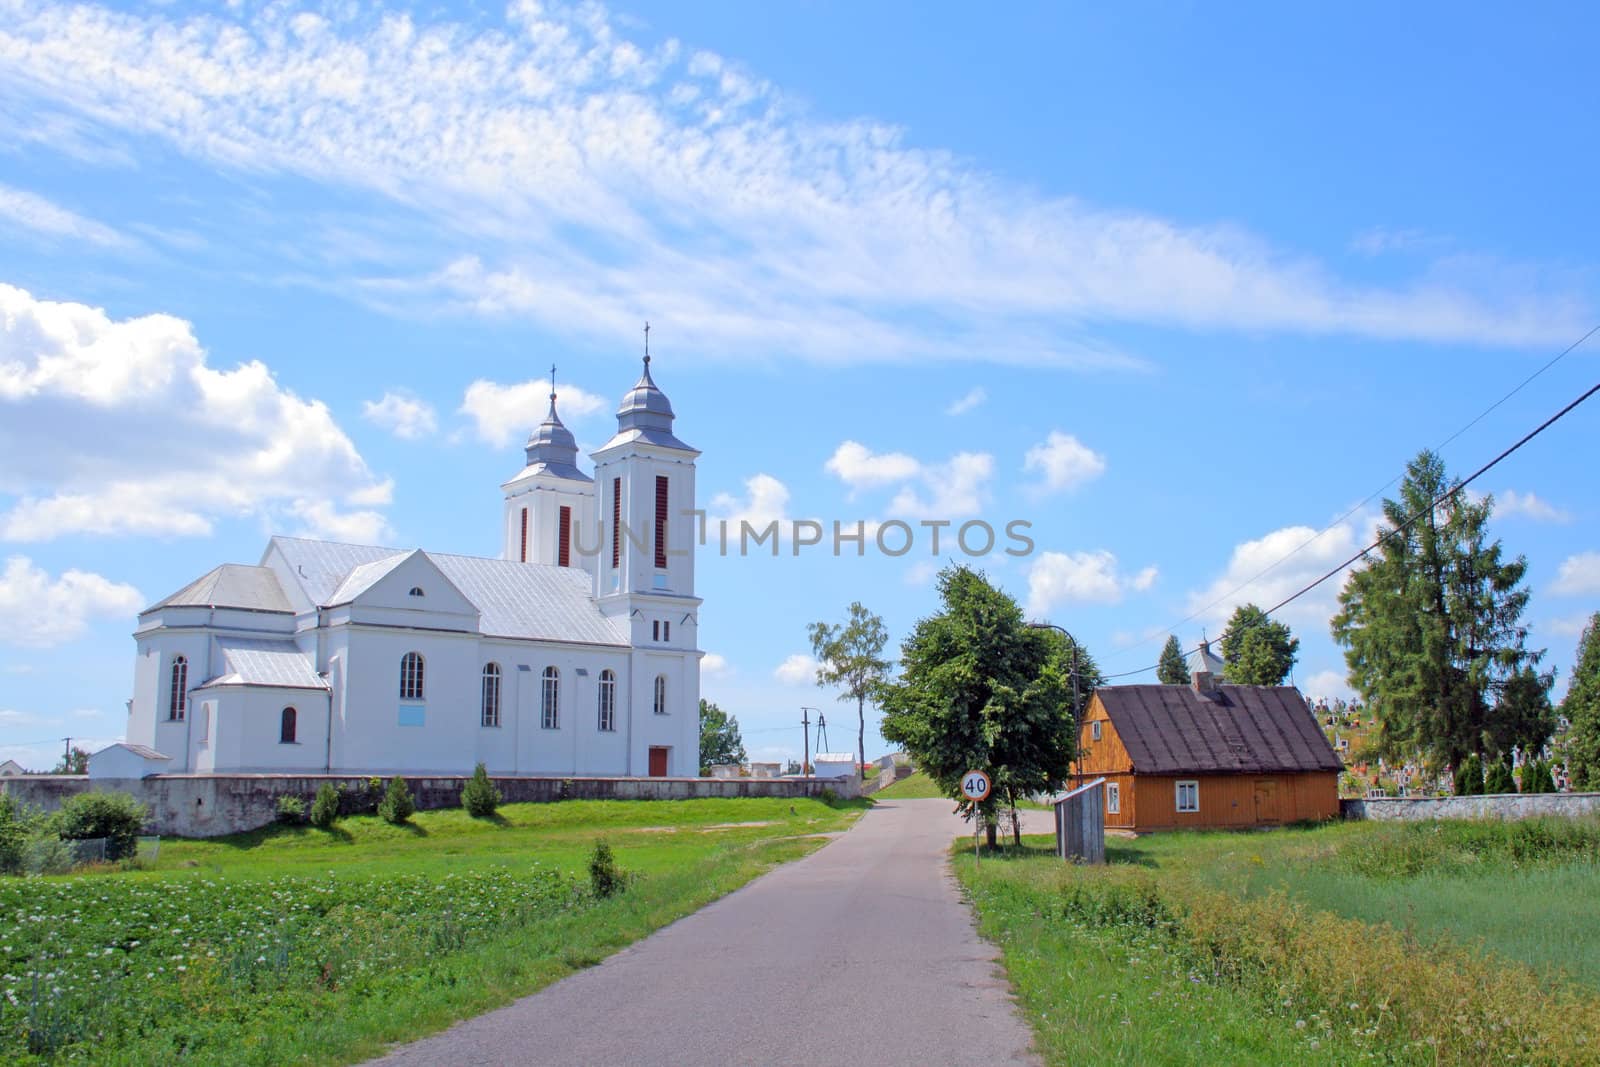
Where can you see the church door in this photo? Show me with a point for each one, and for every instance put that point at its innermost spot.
(658, 761)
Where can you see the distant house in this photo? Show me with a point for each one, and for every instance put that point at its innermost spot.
(11, 769)
(833, 764)
(123, 760)
(1207, 755)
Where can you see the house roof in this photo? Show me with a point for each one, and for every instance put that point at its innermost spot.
(274, 664)
(1244, 729)
(231, 585)
(525, 601)
(143, 751)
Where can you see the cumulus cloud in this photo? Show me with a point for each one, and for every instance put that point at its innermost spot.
(1327, 685)
(600, 176)
(503, 413)
(1569, 626)
(974, 397)
(1058, 578)
(1579, 575)
(123, 427)
(1064, 461)
(859, 467)
(39, 611)
(712, 665)
(1267, 569)
(798, 669)
(954, 489)
(33, 212)
(403, 415)
(1530, 506)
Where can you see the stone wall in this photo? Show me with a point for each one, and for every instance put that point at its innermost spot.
(214, 805)
(1499, 806)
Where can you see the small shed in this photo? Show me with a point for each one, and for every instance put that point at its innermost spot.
(123, 760)
(833, 764)
(765, 770)
(1081, 823)
(11, 769)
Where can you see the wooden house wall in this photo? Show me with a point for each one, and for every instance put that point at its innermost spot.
(1232, 800)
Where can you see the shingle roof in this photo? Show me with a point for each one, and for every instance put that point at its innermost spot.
(1246, 729)
(279, 664)
(231, 585)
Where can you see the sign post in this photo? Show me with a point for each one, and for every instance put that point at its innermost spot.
(975, 787)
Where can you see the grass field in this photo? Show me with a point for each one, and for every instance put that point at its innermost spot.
(917, 786)
(305, 946)
(1447, 943)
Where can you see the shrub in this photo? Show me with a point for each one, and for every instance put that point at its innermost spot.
(1469, 777)
(605, 877)
(325, 808)
(397, 805)
(1499, 779)
(291, 810)
(1536, 777)
(13, 835)
(117, 817)
(828, 796)
(479, 796)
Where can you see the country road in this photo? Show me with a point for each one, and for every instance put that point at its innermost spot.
(861, 951)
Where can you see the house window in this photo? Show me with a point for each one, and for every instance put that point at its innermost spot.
(1189, 796)
(1113, 798)
(661, 694)
(608, 701)
(564, 538)
(286, 726)
(1094, 730)
(178, 698)
(616, 522)
(661, 522)
(491, 694)
(550, 717)
(411, 676)
(416, 590)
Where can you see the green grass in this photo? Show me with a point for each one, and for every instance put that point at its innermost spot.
(303, 946)
(917, 786)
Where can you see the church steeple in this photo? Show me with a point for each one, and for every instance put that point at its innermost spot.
(551, 447)
(548, 500)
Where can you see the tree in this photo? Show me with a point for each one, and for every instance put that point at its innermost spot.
(1431, 624)
(1523, 717)
(1499, 779)
(117, 817)
(1256, 649)
(719, 737)
(1537, 778)
(1582, 710)
(396, 806)
(76, 761)
(1469, 777)
(479, 796)
(325, 806)
(1172, 670)
(979, 688)
(850, 657)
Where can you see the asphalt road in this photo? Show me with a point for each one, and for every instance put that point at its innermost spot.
(861, 952)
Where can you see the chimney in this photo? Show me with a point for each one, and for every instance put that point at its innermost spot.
(1205, 684)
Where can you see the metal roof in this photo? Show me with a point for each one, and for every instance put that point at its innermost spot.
(1243, 729)
(278, 664)
(645, 415)
(364, 577)
(552, 449)
(320, 567)
(232, 585)
(143, 751)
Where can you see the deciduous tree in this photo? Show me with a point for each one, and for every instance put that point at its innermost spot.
(1257, 650)
(1582, 710)
(850, 656)
(1172, 670)
(719, 737)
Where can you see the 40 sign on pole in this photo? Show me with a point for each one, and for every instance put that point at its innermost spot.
(975, 787)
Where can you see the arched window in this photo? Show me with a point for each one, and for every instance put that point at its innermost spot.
(491, 694)
(550, 704)
(411, 676)
(178, 699)
(661, 694)
(286, 726)
(416, 590)
(608, 701)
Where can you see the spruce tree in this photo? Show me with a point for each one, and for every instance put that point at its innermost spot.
(1172, 670)
(1582, 710)
(396, 806)
(1257, 650)
(1499, 779)
(1469, 777)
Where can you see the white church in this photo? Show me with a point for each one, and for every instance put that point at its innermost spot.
(574, 653)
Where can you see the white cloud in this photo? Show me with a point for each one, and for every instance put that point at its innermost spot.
(974, 397)
(125, 428)
(12, 717)
(861, 468)
(955, 488)
(765, 499)
(584, 160)
(403, 415)
(1579, 575)
(1512, 502)
(1057, 578)
(34, 212)
(1569, 626)
(922, 572)
(1145, 579)
(713, 665)
(1328, 685)
(798, 669)
(1259, 573)
(39, 611)
(1065, 462)
(506, 413)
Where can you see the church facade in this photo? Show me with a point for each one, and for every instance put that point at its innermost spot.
(575, 652)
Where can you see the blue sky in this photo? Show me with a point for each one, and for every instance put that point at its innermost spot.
(1179, 286)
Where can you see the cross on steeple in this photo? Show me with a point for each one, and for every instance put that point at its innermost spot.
(552, 382)
(647, 343)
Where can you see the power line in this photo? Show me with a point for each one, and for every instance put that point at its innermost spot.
(1440, 499)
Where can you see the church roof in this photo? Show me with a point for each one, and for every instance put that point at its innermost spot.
(524, 601)
(278, 664)
(231, 585)
(645, 415)
(552, 449)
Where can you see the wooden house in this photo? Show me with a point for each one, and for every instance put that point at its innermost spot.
(1207, 755)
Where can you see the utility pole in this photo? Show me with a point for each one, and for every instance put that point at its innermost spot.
(805, 721)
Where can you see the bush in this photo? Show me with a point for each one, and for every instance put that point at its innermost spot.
(13, 835)
(1499, 779)
(1536, 777)
(479, 796)
(605, 877)
(117, 817)
(397, 805)
(325, 808)
(1469, 777)
(828, 796)
(291, 810)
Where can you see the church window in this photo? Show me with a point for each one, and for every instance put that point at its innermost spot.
(661, 694)
(411, 676)
(416, 590)
(491, 694)
(661, 522)
(616, 522)
(524, 535)
(550, 704)
(655, 629)
(608, 701)
(666, 631)
(178, 698)
(286, 726)
(564, 538)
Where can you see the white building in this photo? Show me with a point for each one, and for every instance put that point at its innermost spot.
(574, 653)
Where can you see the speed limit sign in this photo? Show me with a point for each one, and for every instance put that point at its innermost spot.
(975, 786)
